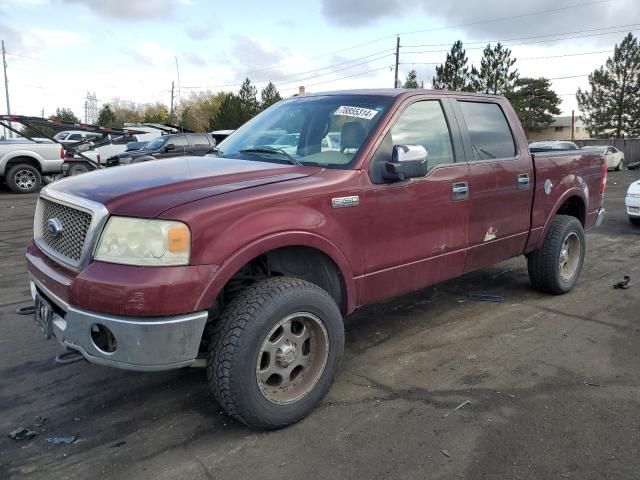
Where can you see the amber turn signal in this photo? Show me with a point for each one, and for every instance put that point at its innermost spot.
(178, 239)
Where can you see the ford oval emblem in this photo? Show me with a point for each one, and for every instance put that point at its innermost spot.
(54, 227)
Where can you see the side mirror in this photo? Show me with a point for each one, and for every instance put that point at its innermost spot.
(407, 161)
(169, 146)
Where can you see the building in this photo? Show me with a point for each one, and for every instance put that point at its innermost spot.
(560, 129)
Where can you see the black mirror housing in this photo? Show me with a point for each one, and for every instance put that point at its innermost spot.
(407, 161)
(169, 146)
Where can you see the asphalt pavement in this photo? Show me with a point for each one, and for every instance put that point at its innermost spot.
(550, 386)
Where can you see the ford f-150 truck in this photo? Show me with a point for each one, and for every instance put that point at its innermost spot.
(251, 257)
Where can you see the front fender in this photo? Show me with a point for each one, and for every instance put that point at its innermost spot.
(271, 242)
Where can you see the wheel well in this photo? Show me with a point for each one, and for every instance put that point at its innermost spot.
(573, 206)
(22, 161)
(305, 263)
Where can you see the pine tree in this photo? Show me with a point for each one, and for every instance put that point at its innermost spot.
(496, 75)
(106, 117)
(454, 73)
(411, 81)
(229, 116)
(269, 95)
(65, 114)
(535, 103)
(611, 104)
(248, 96)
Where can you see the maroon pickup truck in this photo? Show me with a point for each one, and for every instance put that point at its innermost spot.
(251, 257)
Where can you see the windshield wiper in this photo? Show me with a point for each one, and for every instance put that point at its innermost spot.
(280, 151)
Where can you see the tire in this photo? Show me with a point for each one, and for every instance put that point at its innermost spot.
(619, 166)
(77, 169)
(635, 220)
(24, 178)
(47, 179)
(546, 271)
(245, 335)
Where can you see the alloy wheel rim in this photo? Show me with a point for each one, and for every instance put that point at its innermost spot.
(569, 256)
(292, 358)
(25, 179)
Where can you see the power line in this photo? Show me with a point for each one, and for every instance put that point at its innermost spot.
(342, 78)
(524, 58)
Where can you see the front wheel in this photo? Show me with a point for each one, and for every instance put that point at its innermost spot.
(24, 179)
(274, 352)
(634, 220)
(556, 266)
(619, 166)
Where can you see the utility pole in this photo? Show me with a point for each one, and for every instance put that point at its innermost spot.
(573, 124)
(171, 110)
(395, 82)
(6, 85)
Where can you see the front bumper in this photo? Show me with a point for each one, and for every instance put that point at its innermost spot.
(632, 205)
(142, 343)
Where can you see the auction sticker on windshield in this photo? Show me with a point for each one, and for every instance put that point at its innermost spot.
(357, 112)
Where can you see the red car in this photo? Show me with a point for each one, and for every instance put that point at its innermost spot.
(253, 256)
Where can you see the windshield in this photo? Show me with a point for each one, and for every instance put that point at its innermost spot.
(155, 143)
(326, 131)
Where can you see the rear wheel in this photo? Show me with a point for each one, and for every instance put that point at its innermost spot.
(274, 352)
(556, 266)
(24, 178)
(77, 169)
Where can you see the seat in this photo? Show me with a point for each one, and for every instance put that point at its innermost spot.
(352, 136)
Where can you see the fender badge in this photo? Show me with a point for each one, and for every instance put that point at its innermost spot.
(344, 202)
(548, 186)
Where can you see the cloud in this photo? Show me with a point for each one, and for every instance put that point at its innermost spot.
(128, 9)
(55, 38)
(194, 59)
(199, 32)
(472, 16)
(251, 54)
(152, 54)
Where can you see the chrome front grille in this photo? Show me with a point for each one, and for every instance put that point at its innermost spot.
(64, 229)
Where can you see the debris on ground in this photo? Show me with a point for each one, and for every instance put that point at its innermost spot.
(65, 440)
(28, 310)
(624, 284)
(466, 402)
(40, 420)
(445, 453)
(481, 297)
(591, 384)
(22, 433)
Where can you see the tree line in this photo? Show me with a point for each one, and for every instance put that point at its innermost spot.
(610, 105)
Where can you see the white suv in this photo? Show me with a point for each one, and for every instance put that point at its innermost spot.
(632, 202)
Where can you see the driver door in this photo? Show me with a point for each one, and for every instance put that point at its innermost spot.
(417, 229)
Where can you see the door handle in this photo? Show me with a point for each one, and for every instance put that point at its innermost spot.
(459, 191)
(523, 181)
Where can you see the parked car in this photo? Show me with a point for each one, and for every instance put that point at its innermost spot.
(613, 156)
(74, 136)
(220, 135)
(132, 146)
(167, 146)
(253, 257)
(632, 202)
(22, 165)
(535, 147)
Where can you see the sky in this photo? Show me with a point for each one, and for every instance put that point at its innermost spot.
(58, 50)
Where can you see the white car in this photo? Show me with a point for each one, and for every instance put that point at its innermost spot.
(613, 156)
(632, 202)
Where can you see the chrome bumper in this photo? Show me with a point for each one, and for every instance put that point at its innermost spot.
(143, 344)
(600, 217)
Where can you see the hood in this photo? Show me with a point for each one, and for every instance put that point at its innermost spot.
(148, 189)
(634, 188)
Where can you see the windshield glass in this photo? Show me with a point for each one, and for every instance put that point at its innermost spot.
(155, 143)
(326, 131)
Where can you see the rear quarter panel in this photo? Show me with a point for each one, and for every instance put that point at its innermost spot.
(572, 174)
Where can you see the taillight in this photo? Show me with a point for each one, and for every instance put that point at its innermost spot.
(603, 180)
(98, 156)
(62, 154)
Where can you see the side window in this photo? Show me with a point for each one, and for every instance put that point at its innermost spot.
(489, 131)
(179, 141)
(423, 123)
(74, 137)
(200, 140)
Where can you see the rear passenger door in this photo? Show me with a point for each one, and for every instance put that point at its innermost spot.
(501, 180)
(199, 144)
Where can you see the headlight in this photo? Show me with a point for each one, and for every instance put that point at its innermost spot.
(135, 241)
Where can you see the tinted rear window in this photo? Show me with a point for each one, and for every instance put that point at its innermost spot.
(489, 131)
